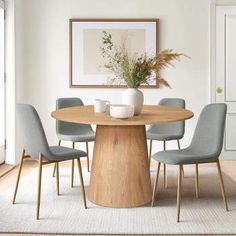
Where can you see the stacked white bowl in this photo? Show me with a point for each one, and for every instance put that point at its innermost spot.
(121, 111)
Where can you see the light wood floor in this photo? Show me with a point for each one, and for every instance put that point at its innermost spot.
(8, 179)
(4, 169)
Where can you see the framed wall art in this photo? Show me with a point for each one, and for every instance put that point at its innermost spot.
(86, 61)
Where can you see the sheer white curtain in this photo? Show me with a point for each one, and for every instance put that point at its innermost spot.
(2, 85)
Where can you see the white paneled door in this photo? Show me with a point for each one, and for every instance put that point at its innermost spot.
(226, 73)
(2, 87)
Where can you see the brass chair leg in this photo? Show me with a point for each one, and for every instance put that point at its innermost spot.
(82, 183)
(54, 170)
(155, 183)
(150, 153)
(178, 142)
(222, 185)
(165, 169)
(18, 176)
(39, 185)
(183, 171)
(72, 168)
(179, 192)
(196, 181)
(58, 184)
(165, 177)
(87, 150)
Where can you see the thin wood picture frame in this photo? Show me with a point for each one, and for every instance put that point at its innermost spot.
(82, 30)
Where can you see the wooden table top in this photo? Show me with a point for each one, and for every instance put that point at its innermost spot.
(151, 114)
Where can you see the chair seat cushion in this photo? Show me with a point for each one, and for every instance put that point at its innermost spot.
(61, 153)
(163, 136)
(184, 156)
(75, 137)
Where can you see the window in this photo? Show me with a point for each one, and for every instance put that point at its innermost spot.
(2, 85)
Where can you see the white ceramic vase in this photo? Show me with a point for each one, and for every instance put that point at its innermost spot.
(133, 96)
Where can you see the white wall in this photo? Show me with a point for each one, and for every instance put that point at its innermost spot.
(42, 51)
(225, 2)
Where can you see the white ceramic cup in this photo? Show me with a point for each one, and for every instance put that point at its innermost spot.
(100, 105)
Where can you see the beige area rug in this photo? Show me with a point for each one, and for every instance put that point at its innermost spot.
(65, 214)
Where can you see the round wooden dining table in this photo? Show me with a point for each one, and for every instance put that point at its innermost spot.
(120, 175)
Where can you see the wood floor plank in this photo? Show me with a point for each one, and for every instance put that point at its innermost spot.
(4, 169)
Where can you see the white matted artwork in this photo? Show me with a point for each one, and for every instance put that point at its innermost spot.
(86, 60)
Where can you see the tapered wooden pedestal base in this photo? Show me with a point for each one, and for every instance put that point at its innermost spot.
(120, 175)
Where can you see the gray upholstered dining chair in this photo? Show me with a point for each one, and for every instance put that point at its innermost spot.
(35, 144)
(73, 132)
(167, 132)
(205, 147)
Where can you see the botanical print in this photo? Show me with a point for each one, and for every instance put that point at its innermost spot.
(86, 59)
(93, 59)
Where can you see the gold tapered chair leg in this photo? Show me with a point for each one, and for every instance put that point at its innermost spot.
(18, 176)
(82, 183)
(179, 192)
(72, 173)
(54, 170)
(155, 183)
(87, 150)
(72, 168)
(39, 185)
(165, 176)
(196, 181)
(222, 185)
(183, 171)
(178, 142)
(58, 183)
(165, 169)
(150, 153)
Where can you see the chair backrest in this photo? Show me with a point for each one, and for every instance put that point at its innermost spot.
(31, 131)
(174, 128)
(209, 133)
(65, 127)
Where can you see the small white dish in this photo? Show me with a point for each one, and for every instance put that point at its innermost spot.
(121, 111)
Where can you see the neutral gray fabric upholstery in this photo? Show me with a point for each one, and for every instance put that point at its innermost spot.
(34, 139)
(65, 153)
(207, 141)
(71, 131)
(168, 131)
